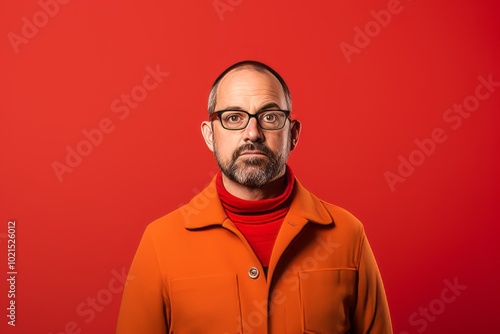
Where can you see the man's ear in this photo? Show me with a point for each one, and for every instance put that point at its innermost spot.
(295, 133)
(208, 134)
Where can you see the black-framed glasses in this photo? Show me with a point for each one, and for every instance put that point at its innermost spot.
(269, 119)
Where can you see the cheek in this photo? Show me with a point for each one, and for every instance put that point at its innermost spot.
(280, 143)
(225, 145)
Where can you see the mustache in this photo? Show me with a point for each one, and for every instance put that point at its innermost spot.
(253, 147)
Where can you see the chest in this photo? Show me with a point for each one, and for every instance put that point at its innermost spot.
(213, 281)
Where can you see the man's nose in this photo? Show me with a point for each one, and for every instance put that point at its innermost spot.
(253, 132)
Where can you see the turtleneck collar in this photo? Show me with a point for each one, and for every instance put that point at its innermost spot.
(240, 206)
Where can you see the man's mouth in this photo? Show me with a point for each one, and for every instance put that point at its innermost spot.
(252, 152)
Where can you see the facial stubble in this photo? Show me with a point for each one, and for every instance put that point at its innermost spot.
(253, 171)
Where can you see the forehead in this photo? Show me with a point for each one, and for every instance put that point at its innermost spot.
(248, 87)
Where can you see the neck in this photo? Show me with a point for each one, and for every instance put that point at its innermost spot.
(270, 190)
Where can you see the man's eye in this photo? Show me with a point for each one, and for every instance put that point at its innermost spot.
(270, 117)
(233, 118)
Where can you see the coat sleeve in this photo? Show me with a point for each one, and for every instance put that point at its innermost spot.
(371, 314)
(142, 308)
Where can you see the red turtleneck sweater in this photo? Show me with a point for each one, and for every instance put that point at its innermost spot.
(259, 221)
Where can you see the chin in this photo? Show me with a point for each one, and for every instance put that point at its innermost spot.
(254, 161)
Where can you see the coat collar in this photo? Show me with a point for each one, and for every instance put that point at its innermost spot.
(205, 209)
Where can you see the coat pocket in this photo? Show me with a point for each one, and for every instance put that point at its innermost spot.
(205, 305)
(327, 299)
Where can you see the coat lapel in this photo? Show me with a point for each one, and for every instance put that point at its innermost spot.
(305, 208)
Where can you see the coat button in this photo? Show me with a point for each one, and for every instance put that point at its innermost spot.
(253, 272)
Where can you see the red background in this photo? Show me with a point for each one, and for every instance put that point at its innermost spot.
(358, 117)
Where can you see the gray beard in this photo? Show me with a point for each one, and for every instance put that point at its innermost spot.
(252, 172)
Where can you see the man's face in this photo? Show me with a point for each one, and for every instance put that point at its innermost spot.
(252, 156)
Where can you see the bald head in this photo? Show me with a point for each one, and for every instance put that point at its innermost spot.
(248, 66)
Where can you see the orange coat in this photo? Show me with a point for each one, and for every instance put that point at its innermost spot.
(195, 273)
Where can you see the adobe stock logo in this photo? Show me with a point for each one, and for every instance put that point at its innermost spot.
(427, 314)
(222, 6)
(373, 28)
(30, 28)
(94, 137)
(89, 309)
(452, 117)
(200, 202)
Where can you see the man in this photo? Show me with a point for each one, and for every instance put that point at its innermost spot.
(254, 252)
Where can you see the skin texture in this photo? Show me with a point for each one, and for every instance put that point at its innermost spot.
(256, 157)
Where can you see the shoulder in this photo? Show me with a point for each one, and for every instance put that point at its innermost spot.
(341, 215)
(325, 212)
(345, 225)
(331, 225)
(202, 210)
